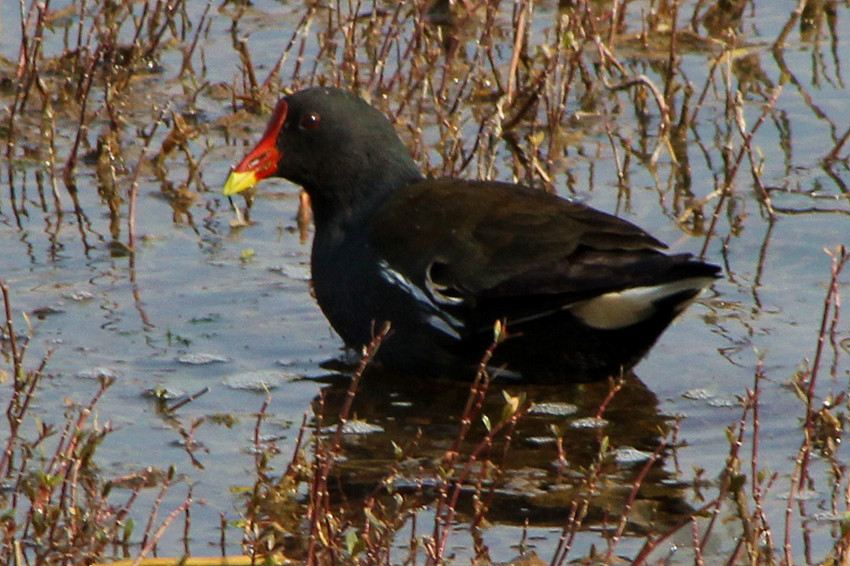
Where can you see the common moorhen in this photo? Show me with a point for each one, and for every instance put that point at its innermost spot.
(583, 294)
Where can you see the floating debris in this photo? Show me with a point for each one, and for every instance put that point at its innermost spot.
(161, 393)
(801, 495)
(42, 312)
(540, 440)
(259, 380)
(589, 422)
(710, 398)
(98, 373)
(554, 409)
(723, 403)
(355, 427)
(206, 318)
(626, 456)
(79, 296)
(200, 359)
(297, 272)
(828, 517)
(698, 394)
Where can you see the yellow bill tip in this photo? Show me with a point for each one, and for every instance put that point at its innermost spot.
(238, 181)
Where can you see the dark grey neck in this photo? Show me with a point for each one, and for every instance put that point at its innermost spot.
(350, 200)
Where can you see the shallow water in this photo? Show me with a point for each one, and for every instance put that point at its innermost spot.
(242, 296)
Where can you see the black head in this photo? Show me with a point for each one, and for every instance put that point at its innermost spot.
(331, 142)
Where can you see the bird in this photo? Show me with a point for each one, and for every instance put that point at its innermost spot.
(575, 294)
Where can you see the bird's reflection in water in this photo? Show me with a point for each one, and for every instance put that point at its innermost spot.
(552, 448)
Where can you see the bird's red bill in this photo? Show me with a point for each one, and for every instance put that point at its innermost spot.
(261, 161)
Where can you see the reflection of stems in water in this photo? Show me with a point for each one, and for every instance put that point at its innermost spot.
(807, 98)
(663, 107)
(27, 72)
(839, 182)
(520, 29)
(832, 156)
(131, 221)
(50, 117)
(733, 166)
(779, 44)
(134, 185)
(670, 71)
(731, 273)
(724, 56)
(83, 91)
(622, 184)
(137, 295)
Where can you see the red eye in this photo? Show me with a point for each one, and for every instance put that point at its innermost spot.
(310, 121)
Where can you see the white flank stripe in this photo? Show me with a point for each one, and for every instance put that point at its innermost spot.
(435, 316)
